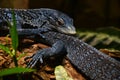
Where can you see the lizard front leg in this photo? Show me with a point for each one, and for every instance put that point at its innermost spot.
(56, 48)
(30, 32)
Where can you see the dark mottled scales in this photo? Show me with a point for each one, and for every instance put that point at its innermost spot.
(93, 63)
(89, 60)
(33, 17)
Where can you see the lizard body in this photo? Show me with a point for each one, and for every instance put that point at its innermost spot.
(93, 63)
(90, 61)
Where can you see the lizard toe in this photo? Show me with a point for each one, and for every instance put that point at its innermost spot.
(35, 58)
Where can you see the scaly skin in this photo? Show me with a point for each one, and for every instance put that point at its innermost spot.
(44, 18)
(93, 63)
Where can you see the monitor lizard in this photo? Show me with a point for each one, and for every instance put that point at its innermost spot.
(44, 19)
(93, 63)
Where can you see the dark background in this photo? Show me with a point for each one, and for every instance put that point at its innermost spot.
(89, 14)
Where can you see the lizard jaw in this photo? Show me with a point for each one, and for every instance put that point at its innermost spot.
(67, 30)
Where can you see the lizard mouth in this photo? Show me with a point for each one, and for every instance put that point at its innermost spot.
(67, 30)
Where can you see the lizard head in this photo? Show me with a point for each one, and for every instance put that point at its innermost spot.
(65, 24)
(61, 22)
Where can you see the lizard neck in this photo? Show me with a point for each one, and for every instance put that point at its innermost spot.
(51, 37)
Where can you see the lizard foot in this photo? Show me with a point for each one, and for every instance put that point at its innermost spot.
(35, 57)
(56, 49)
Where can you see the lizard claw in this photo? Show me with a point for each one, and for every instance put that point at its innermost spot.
(35, 58)
(28, 57)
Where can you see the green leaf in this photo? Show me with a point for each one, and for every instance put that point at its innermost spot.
(14, 70)
(61, 74)
(101, 38)
(13, 32)
(21, 55)
(6, 49)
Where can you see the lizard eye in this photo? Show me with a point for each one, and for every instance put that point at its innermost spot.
(60, 22)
